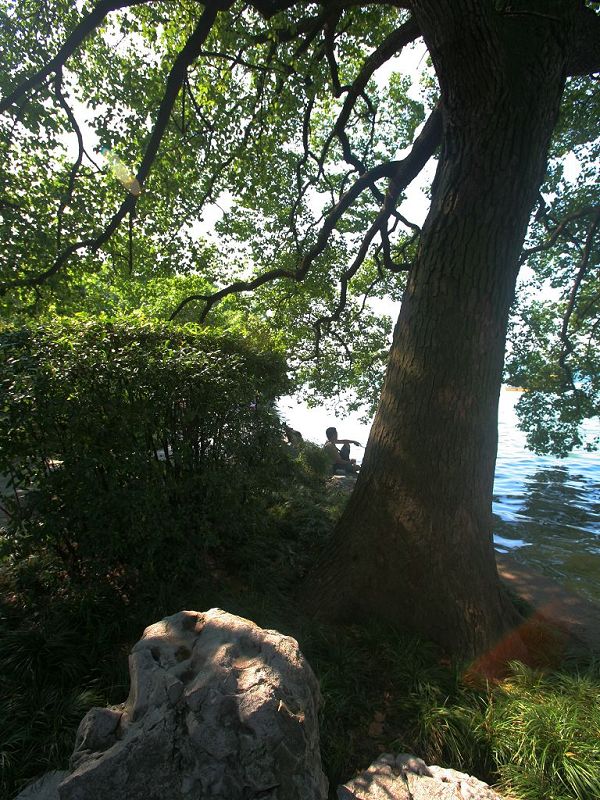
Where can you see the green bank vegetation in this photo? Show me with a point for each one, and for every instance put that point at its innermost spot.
(143, 476)
(157, 478)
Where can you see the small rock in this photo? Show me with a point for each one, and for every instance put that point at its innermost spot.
(406, 777)
(383, 780)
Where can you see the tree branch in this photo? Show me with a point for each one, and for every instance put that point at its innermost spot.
(400, 175)
(175, 80)
(77, 163)
(329, 33)
(86, 26)
(567, 347)
(381, 171)
(390, 46)
(349, 273)
(558, 230)
(397, 184)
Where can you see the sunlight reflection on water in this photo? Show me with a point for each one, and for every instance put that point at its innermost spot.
(547, 510)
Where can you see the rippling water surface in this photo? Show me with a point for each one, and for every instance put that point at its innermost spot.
(547, 510)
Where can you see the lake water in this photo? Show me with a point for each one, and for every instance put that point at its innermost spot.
(546, 510)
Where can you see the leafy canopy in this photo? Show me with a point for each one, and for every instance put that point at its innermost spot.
(140, 119)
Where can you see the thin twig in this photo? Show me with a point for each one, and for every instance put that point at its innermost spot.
(175, 80)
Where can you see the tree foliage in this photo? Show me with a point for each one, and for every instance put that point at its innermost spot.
(273, 109)
(251, 124)
(556, 324)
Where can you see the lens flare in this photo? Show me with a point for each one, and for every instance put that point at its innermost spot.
(121, 172)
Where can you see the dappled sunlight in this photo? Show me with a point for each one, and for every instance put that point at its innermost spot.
(121, 172)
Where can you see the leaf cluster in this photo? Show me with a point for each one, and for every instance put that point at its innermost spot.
(555, 330)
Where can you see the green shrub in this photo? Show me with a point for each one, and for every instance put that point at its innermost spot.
(138, 459)
(139, 446)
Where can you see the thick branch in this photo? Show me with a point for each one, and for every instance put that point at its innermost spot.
(398, 183)
(400, 174)
(88, 24)
(584, 57)
(329, 33)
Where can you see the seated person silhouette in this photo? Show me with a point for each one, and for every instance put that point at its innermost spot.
(340, 459)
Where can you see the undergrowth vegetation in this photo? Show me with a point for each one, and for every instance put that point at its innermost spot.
(534, 735)
(148, 473)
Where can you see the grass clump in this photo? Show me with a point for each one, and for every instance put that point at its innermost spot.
(533, 736)
(545, 734)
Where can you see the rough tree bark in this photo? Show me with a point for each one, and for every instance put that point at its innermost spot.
(414, 544)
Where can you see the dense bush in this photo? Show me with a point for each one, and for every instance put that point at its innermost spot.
(151, 481)
(136, 444)
(146, 472)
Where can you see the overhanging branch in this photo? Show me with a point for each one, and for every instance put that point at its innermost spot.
(381, 171)
(398, 182)
(86, 26)
(175, 80)
(400, 175)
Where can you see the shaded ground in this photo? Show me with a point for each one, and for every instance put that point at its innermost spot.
(571, 612)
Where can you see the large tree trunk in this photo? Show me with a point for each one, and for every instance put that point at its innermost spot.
(415, 542)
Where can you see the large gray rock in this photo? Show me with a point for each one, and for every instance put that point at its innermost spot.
(406, 777)
(46, 788)
(218, 708)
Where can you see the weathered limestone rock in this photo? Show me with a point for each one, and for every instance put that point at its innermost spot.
(218, 709)
(383, 780)
(406, 777)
